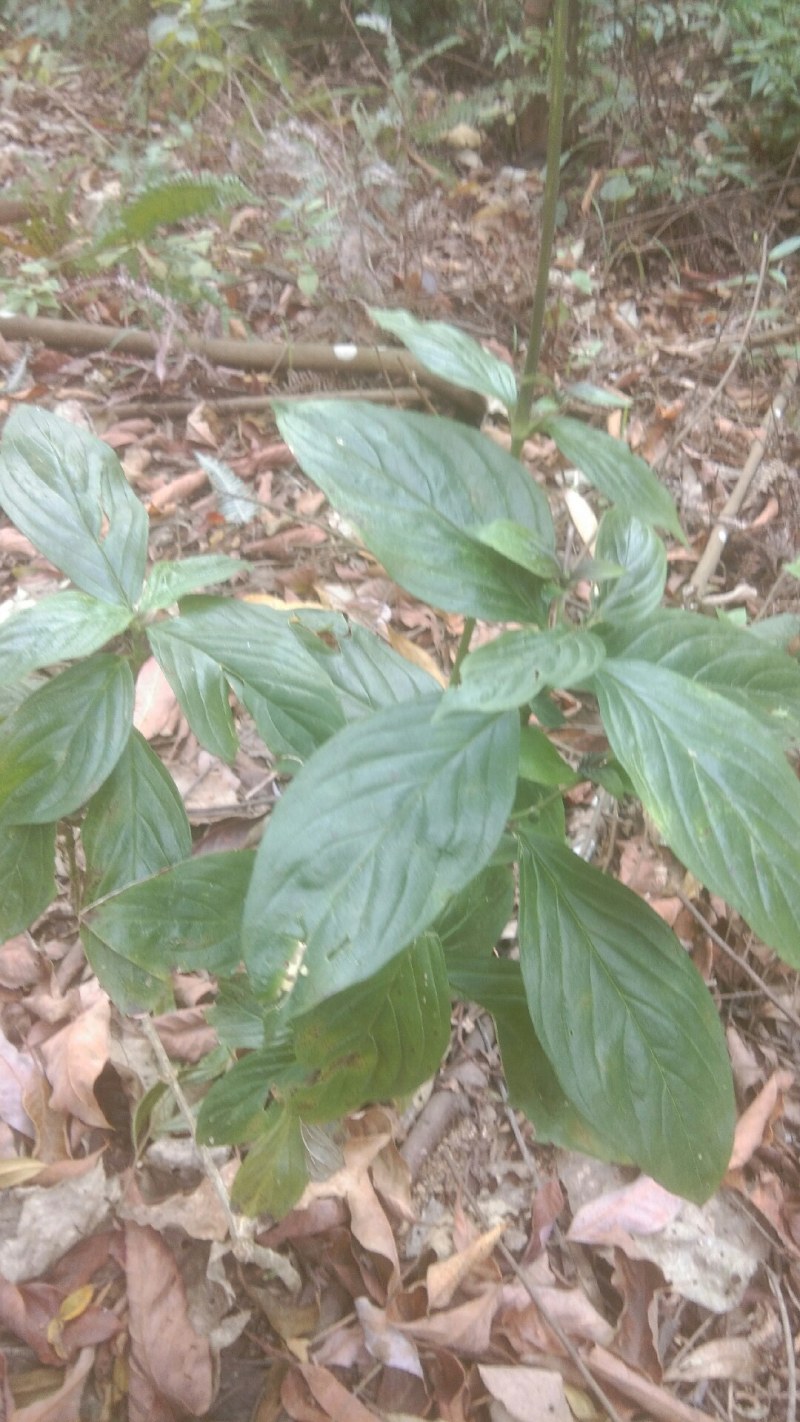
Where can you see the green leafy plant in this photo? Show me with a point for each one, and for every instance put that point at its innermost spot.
(385, 874)
(414, 816)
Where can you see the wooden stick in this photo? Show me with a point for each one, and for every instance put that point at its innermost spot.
(275, 357)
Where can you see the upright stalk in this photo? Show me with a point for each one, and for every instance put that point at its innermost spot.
(558, 76)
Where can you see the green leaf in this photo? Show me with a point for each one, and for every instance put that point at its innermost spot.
(367, 674)
(390, 818)
(632, 598)
(452, 355)
(377, 1039)
(175, 200)
(130, 988)
(274, 1174)
(135, 825)
(292, 700)
(237, 1016)
(533, 1087)
(517, 666)
(625, 1019)
(540, 762)
(419, 489)
(719, 790)
(187, 917)
(232, 1113)
(729, 660)
(27, 881)
(475, 917)
(520, 546)
(597, 396)
(616, 471)
(168, 582)
(66, 491)
(782, 631)
(201, 688)
(58, 748)
(58, 629)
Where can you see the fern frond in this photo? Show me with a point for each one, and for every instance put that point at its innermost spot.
(181, 197)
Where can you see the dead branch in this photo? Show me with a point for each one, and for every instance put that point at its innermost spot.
(274, 357)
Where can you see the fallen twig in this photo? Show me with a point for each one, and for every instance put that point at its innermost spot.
(721, 530)
(274, 357)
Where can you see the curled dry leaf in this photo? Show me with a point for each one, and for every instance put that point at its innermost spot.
(446, 1276)
(155, 706)
(75, 1057)
(753, 1124)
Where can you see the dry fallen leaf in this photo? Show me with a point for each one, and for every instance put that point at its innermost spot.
(755, 1121)
(170, 1362)
(74, 1058)
(155, 707)
(527, 1394)
(446, 1276)
(385, 1343)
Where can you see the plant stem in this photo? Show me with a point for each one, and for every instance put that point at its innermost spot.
(463, 648)
(558, 73)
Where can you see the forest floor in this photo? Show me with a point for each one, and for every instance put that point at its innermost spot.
(447, 1266)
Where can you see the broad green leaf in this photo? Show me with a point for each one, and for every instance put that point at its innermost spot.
(232, 1112)
(625, 1020)
(274, 1174)
(14, 694)
(60, 628)
(167, 583)
(187, 917)
(720, 791)
(517, 666)
(27, 878)
(628, 542)
(237, 1016)
(540, 762)
(729, 660)
(597, 396)
(475, 917)
(533, 1087)
(201, 688)
(782, 631)
(66, 491)
(451, 354)
(366, 673)
(130, 988)
(520, 546)
(293, 702)
(616, 471)
(135, 824)
(377, 1039)
(540, 807)
(388, 820)
(58, 748)
(418, 489)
